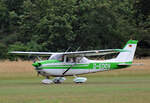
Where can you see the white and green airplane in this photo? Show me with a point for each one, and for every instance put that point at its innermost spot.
(61, 64)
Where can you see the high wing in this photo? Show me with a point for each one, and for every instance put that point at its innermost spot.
(95, 52)
(73, 54)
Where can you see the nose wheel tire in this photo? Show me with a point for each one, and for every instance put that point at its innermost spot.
(47, 81)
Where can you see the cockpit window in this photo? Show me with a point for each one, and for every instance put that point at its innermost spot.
(77, 60)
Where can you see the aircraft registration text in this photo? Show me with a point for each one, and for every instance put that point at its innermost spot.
(101, 66)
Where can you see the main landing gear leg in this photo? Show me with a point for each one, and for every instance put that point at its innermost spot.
(47, 77)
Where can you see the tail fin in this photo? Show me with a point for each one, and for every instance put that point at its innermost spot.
(127, 56)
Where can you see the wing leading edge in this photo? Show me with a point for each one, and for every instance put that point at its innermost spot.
(33, 53)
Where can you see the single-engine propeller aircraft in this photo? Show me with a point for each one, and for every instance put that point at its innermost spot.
(61, 64)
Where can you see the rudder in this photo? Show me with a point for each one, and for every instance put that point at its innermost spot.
(129, 55)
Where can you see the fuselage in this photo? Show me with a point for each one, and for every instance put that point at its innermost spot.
(57, 68)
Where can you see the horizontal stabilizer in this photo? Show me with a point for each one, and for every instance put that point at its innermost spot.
(125, 64)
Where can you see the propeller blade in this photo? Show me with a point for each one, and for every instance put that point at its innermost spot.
(38, 73)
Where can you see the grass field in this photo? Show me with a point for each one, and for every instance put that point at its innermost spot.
(19, 84)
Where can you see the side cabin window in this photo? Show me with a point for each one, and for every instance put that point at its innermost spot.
(70, 59)
(76, 59)
(67, 59)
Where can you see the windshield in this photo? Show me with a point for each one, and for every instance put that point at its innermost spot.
(56, 57)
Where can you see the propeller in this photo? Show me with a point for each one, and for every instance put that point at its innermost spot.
(38, 73)
(37, 65)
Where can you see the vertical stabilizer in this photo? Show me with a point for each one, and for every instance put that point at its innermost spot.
(129, 55)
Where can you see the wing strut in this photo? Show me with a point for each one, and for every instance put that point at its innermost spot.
(68, 69)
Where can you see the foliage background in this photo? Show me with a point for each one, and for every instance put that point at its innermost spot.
(55, 25)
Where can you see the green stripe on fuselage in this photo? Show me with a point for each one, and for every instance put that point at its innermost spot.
(109, 66)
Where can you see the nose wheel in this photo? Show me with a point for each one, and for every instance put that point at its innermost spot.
(47, 81)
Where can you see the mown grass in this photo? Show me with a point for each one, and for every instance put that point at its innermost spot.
(19, 84)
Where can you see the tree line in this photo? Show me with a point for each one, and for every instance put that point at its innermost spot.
(55, 25)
